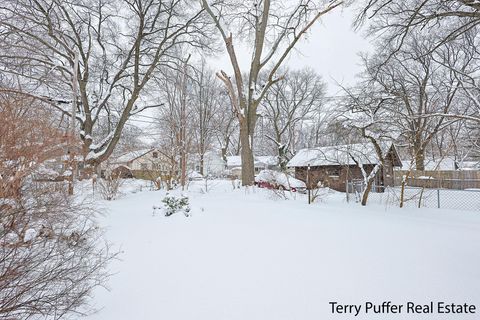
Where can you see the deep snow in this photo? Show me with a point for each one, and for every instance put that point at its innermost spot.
(244, 255)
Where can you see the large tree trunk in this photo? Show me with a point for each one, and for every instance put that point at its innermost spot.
(420, 159)
(419, 153)
(248, 165)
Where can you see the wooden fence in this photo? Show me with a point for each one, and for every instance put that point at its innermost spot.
(442, 179)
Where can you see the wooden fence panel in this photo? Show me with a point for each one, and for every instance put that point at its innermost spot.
(441, 179)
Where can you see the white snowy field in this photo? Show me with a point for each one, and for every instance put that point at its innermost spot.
(246, 256)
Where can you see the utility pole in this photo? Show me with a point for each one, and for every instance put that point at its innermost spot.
(71, 142)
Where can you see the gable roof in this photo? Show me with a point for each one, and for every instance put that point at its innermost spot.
(234, 161)
(132, 155)
(259, 161)
(341, 155)
(267, 160)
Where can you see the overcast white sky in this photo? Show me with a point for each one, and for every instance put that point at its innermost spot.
(331, 48)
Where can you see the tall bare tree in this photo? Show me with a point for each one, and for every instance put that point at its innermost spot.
(175, 117)
(445, 20)
(289, 103)
(421, 88)
(272, 29)
(206, 103)
(121, 44)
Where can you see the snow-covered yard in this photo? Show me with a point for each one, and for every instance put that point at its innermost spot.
(246, 256)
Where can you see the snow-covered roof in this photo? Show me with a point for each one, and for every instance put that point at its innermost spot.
(194, 175)
(363, 153)
(259, 161)
(234, 161)
(132, 155)
(267, 160)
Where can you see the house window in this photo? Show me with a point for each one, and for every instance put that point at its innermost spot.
(155, 155)
(144, 166)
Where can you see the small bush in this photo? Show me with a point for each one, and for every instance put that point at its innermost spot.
(174, 204)
(110, 185)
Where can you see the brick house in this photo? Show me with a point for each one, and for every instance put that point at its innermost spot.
(335, 166)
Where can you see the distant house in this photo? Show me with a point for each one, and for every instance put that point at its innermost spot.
(267, 162)
(234, 164)
(146, 160)
(334, 166)
(213, 163)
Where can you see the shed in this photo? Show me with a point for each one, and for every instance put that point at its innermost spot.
(335, 166)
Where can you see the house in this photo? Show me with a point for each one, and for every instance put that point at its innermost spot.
(268, 162)
(143, 161)
(213, 164)
(234, 164)
(335, 166)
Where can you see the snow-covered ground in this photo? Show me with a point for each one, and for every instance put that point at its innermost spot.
(245, 255)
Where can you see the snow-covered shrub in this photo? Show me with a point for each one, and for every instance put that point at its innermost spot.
(279, 194)
(320, 193)
(109, 185)
(172, 204)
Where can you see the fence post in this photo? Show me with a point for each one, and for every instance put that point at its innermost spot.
(347, 190)
(308, 184)
(438, 198)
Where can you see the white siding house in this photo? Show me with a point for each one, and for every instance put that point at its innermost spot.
(234, 164)
(145, 159)
(213, 163)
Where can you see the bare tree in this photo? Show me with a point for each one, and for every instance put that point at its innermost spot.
(175, 120)
(421, 88)
(226, 130)
(272, 29)
(445, 20)
(452, 27)
(368, 113)
(205, 101)
(289, 103)
(121, 44)
(52, 253)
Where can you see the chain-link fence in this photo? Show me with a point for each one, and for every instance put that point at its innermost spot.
(455, 180)
(416, 197)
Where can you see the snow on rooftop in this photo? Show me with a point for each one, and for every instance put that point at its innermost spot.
(336, 155)
(268, 160)
(260, 161)
(234, 161)
(129, 156)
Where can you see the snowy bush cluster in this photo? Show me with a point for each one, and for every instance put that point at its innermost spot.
(173, 204)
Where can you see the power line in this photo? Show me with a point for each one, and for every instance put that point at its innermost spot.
(144, 116)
